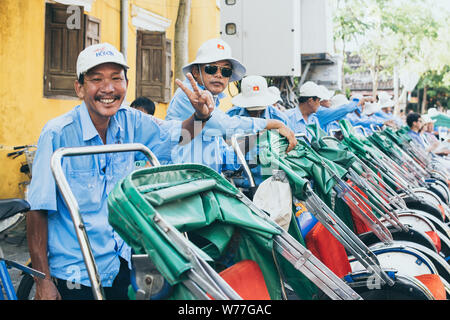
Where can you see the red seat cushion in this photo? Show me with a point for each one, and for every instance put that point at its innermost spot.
(435, 238)
(246, 278)
(328, 249)
(434, 284)
(360, 225)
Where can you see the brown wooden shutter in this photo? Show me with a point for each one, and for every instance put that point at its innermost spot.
(153, 74)
(62, 46)
(92, 31)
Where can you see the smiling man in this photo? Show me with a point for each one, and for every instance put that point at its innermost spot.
(213, 69)
(100, 119)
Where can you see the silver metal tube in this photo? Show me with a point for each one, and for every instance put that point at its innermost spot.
(241, 156)
(72, 204)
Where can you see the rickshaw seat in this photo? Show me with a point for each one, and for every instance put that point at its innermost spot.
(246, 278)
(328, 249)
(434, 284)
(332, 253)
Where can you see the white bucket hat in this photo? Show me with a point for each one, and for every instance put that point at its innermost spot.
(370, 108)
(97, 54)
(255, 95)
(310, 89)
(216, 50)
(339, 100)
(328, 94)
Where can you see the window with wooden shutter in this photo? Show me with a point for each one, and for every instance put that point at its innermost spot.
(153, 66)
(92, 31)
(62, 46)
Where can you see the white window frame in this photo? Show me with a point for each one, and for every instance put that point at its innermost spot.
(146, 20)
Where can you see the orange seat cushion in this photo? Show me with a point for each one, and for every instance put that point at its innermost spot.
(434, 284)
(435, 238)
(328, 249)
(246, 278)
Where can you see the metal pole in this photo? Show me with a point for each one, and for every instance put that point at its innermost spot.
(72, 203)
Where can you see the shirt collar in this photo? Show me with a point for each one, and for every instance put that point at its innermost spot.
(299, 116)
(89, 130)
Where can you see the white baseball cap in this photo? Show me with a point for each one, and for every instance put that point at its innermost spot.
(276, 92)
(97, 54)
(215, 50)
(311, 89)
(255, 95)
(326, 93)
(339, 100)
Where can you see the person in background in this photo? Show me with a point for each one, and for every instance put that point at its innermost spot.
(144, 104)
(213, 69)
(279, 104)
(257, 100)
(430, 139)
(386, 104)
(305, 114)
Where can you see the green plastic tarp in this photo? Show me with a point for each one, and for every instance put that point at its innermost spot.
(442, 120)
(302, 165)
(221, 228)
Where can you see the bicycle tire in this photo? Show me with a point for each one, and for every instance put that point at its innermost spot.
(25, 287)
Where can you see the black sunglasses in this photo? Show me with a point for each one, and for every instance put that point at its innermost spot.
(212, 69)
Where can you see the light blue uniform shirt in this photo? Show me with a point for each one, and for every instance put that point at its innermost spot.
(327, 116)
(298, 124)
(91, 178)
(209, 147)
(417, 137)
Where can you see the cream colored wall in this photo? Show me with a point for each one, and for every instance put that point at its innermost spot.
(24, 110)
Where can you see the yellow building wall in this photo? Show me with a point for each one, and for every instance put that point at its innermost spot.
(24, 110)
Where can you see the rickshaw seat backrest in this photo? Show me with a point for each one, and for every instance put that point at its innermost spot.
(328, 249)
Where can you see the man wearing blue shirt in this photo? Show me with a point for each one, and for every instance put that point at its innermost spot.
(213, 69)
(99, 119)
(305, 113)
(256, 100)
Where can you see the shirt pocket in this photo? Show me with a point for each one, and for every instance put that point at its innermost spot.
(87, 187)
(123, 164)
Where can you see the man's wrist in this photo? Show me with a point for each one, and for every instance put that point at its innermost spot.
(202, 119)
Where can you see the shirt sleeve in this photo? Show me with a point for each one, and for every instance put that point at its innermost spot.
(160, 136)
(222, 124)
(328, 115)
(42, 191)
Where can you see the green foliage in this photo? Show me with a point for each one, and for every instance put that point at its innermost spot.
(396, 33)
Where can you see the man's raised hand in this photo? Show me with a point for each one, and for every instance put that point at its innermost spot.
(201, 100)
